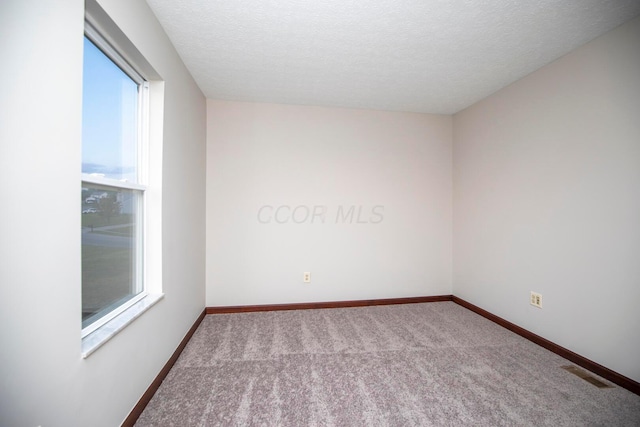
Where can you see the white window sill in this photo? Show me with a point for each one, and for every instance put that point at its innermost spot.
(104, 333)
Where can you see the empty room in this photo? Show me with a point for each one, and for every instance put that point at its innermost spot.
(340, 213)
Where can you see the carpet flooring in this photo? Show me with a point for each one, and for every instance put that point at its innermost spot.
(431, 364)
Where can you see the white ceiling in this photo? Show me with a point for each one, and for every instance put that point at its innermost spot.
(433, 56)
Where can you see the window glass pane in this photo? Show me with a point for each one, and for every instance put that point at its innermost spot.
(109, 116)
(110, 252)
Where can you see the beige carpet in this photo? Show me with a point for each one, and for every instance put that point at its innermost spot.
(432, 364)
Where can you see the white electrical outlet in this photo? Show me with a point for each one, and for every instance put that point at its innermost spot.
(306, 277)
(536, 299)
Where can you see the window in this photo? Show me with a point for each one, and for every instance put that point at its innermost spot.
(114, 183)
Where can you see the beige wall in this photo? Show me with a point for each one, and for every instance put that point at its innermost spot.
(43, 379)
(394, 167)
(547, 199)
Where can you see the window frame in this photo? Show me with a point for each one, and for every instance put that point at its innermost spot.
(140, 186)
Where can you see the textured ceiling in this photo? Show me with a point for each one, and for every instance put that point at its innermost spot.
(433, 56)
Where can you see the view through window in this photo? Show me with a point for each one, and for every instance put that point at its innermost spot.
(112, 184)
